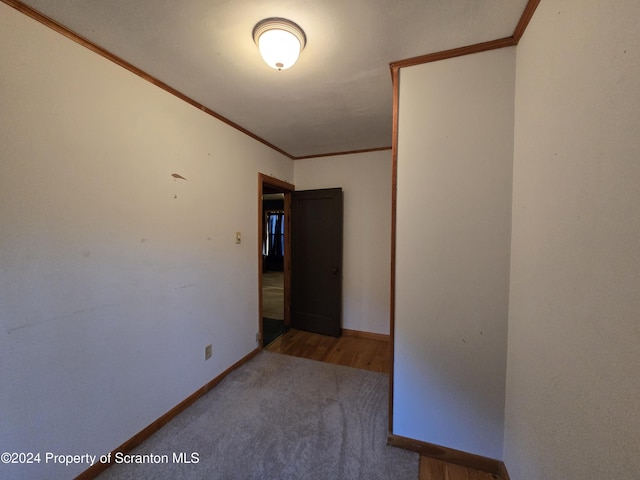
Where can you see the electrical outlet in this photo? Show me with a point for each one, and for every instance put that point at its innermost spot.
(207, 352)
(257, 337)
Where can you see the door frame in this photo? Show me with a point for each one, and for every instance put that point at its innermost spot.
(266, 182)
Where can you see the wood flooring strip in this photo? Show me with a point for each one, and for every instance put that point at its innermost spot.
(449, 455)
(504, 474)
(433, 469)
(366, 353)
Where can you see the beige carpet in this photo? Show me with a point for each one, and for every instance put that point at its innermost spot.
(281, 417)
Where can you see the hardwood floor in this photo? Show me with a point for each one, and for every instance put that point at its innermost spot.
(349, 351)
(432, 469)
(368, 354)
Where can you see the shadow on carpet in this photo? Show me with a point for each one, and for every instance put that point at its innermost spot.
(281, 417)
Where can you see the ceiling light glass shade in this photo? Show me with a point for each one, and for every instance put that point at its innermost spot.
(280, 42)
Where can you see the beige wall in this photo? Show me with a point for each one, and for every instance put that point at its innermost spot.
(113, 275)
(365, 179)
(455, 153)
(572, 409)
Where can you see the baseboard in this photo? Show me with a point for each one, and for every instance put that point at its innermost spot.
(450, 455)
(504, 475)
(370, 335)
(141, 436)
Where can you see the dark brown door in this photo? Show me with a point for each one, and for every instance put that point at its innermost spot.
(316, 261)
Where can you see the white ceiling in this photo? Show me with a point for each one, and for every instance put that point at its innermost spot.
(337, 98)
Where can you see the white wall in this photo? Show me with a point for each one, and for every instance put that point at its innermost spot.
(365, 179)
(455, 153)
(573, 387)
(113, 275)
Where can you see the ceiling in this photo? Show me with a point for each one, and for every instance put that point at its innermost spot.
(336, 98)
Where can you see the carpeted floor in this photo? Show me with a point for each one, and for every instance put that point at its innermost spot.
(281, 417)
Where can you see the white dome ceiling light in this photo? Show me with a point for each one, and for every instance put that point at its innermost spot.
(280, 42)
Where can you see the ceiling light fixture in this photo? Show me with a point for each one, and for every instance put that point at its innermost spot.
(280, 42)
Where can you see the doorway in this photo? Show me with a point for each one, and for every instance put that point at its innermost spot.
(274, 274)
(314, 228)
(316, 245)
